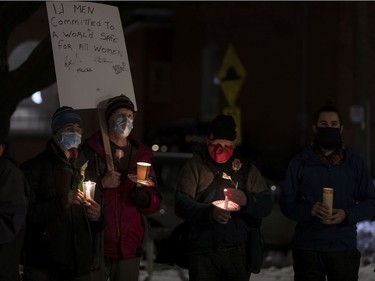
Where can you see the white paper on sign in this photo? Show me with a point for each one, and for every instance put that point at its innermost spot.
(90, 55)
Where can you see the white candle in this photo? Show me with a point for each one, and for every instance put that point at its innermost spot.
(88, 191)
(328, 198)
(226, 202)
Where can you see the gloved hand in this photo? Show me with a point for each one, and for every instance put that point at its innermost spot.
(140, 197)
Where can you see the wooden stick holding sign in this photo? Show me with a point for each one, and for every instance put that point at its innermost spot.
(105, 137)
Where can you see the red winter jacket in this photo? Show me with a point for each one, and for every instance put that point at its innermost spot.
(124, 229)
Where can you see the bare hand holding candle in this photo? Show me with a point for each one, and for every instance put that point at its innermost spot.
(89, 189)
(226, 204)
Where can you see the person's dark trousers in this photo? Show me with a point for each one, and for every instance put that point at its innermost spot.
(220, 265)
(10, 256)
(35, 274)
(316, 266)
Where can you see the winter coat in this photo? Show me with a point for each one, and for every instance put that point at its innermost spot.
(196, 176)
(59, 236)
(124, 230)
(13, 210)
(354, 192)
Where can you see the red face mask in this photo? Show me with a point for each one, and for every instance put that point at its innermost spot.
(220, 154)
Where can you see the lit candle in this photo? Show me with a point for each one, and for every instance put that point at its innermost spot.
(226, 203)
(88, 188)
(226, 200)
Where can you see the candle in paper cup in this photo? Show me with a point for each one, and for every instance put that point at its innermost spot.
(328, 197)
(143, 169)
(89, 189)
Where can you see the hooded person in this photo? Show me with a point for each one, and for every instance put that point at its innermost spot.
(126, 200)
(13, 208)
(61, 222)
(218, 232)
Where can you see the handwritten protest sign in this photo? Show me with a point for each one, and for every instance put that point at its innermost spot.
(90, 54)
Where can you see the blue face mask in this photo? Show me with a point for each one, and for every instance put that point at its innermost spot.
(123, 126)
(70, 140)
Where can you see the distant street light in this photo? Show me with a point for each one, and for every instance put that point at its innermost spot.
(37, 97)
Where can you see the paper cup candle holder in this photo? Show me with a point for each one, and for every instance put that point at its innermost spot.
(226, 204)
(143, 169)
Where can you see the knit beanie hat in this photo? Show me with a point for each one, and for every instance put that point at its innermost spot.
(222, 127)
(117, 102)
(63, 116)
(4, 127)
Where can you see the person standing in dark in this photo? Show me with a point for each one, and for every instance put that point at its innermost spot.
(61, 223)
(217, 237)
(125, 201)
(325, 242)
(13, 208)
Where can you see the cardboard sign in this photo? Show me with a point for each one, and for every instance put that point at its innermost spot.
(90, 54)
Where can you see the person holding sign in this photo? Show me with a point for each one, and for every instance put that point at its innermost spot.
(14, 191)
(327, 190)
(223, 198)
(61, 224)
(126, 198)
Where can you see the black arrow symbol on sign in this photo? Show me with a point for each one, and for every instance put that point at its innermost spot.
(231, 74)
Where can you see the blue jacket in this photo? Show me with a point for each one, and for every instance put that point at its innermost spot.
(354, 192)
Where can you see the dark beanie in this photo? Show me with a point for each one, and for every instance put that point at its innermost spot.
(4, 127)
(63, 116)
(117, 102)
(222, 127)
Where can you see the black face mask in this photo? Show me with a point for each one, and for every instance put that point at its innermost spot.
(328, 138)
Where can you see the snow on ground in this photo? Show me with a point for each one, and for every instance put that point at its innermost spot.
(278, 266)
(273, 273)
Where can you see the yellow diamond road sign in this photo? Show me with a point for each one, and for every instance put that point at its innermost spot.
(231, 75)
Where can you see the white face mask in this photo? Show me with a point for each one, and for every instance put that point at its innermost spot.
(123, 126)
(70, 140)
